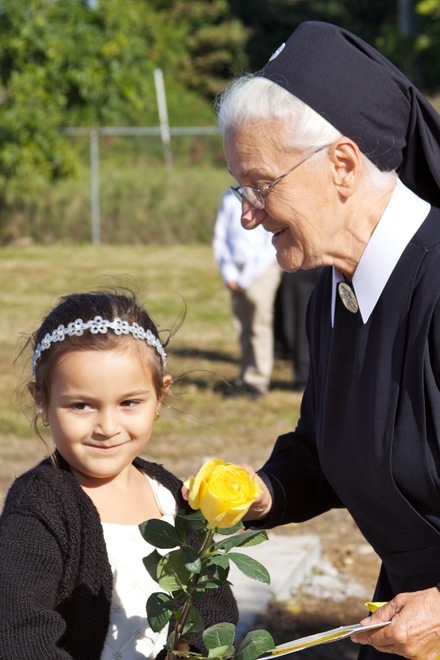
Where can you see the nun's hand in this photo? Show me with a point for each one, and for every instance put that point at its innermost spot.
(263, 504)
(414, 631)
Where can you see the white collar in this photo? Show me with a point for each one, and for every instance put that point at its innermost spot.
(402, 218)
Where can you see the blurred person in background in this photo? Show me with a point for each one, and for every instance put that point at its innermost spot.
(291, 302)
(249, 269)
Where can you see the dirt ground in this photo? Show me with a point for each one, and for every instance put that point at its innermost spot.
(352, 559)
(343, 547)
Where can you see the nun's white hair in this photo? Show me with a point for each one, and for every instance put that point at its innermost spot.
(254, 98)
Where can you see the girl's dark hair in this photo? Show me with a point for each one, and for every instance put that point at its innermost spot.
(85, 306)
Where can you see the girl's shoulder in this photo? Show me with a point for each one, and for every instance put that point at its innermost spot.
(157, 471)
(162, 475)
(45, 485)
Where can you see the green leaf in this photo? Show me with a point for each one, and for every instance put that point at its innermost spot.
(222, 652)
(217, 569)
(172, 573)
(160, 534)
(220, 634)
(207, 582)
(255, 644)
(246, 539)
(159, 610)
(250, 567)
(151, 562)
(186, 522)
(226, 531)
(191, 560)
(219, 560)
(194, 623)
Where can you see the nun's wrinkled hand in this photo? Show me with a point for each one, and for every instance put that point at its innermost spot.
(414, 631)
(263, 504)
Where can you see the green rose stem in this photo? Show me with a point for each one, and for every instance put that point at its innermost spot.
(203, 553)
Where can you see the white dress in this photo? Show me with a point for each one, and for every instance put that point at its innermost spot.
(129, 636)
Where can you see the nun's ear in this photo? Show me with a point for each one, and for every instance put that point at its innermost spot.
(346, 163)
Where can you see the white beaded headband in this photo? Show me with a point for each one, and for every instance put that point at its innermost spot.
(98, 325)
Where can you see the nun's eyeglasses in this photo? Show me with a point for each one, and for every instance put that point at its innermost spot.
(255, 196)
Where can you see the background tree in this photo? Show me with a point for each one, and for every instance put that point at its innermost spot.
(405, 31)
(84, 62)
(427, 43)
(215, 42)
(72, 63)
(272, 21)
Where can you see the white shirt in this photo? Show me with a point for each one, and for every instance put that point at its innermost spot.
(402, 218)
(241, 254)
(129, 636)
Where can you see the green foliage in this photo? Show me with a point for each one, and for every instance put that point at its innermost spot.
(214, 42)
(140, 204)
(427, 42)
(222, 634)
(253, 645)
(185, 575)
(414, 49)
(159, 610)
(70, 63)
(249, 538)
(79, 63)
(271, 23)
(32, 97)
(250, 567)
(172, 574)
(160, 533)
(219, 640)
(189, 521)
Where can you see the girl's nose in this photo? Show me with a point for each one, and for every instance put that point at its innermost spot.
(250, 216)
(107, 423)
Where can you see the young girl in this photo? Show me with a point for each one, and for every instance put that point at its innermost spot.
(73, 584)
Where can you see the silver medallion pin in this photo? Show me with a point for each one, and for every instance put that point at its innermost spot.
(348, 297)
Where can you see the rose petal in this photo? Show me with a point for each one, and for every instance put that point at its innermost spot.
(204, 473)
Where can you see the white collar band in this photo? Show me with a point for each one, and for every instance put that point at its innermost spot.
(402, 218)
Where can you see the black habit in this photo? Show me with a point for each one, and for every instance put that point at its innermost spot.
(368, 437)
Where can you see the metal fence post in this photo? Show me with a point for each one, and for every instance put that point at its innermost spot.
(94, 134)
(94, 185)
(163, 117)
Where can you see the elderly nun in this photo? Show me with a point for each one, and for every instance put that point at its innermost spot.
(337, 154)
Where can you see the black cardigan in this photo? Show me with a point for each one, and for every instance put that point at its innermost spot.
(55, 577)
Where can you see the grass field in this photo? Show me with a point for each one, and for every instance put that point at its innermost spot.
(197, 422)
(140, 204)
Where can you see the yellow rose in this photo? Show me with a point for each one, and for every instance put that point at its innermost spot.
(223, 492)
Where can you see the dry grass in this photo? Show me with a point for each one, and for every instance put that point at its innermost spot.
(198, 422)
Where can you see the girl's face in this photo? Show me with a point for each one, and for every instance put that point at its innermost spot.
(102, 409)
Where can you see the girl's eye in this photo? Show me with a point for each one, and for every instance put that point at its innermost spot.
(80, 405)
(129, 403)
